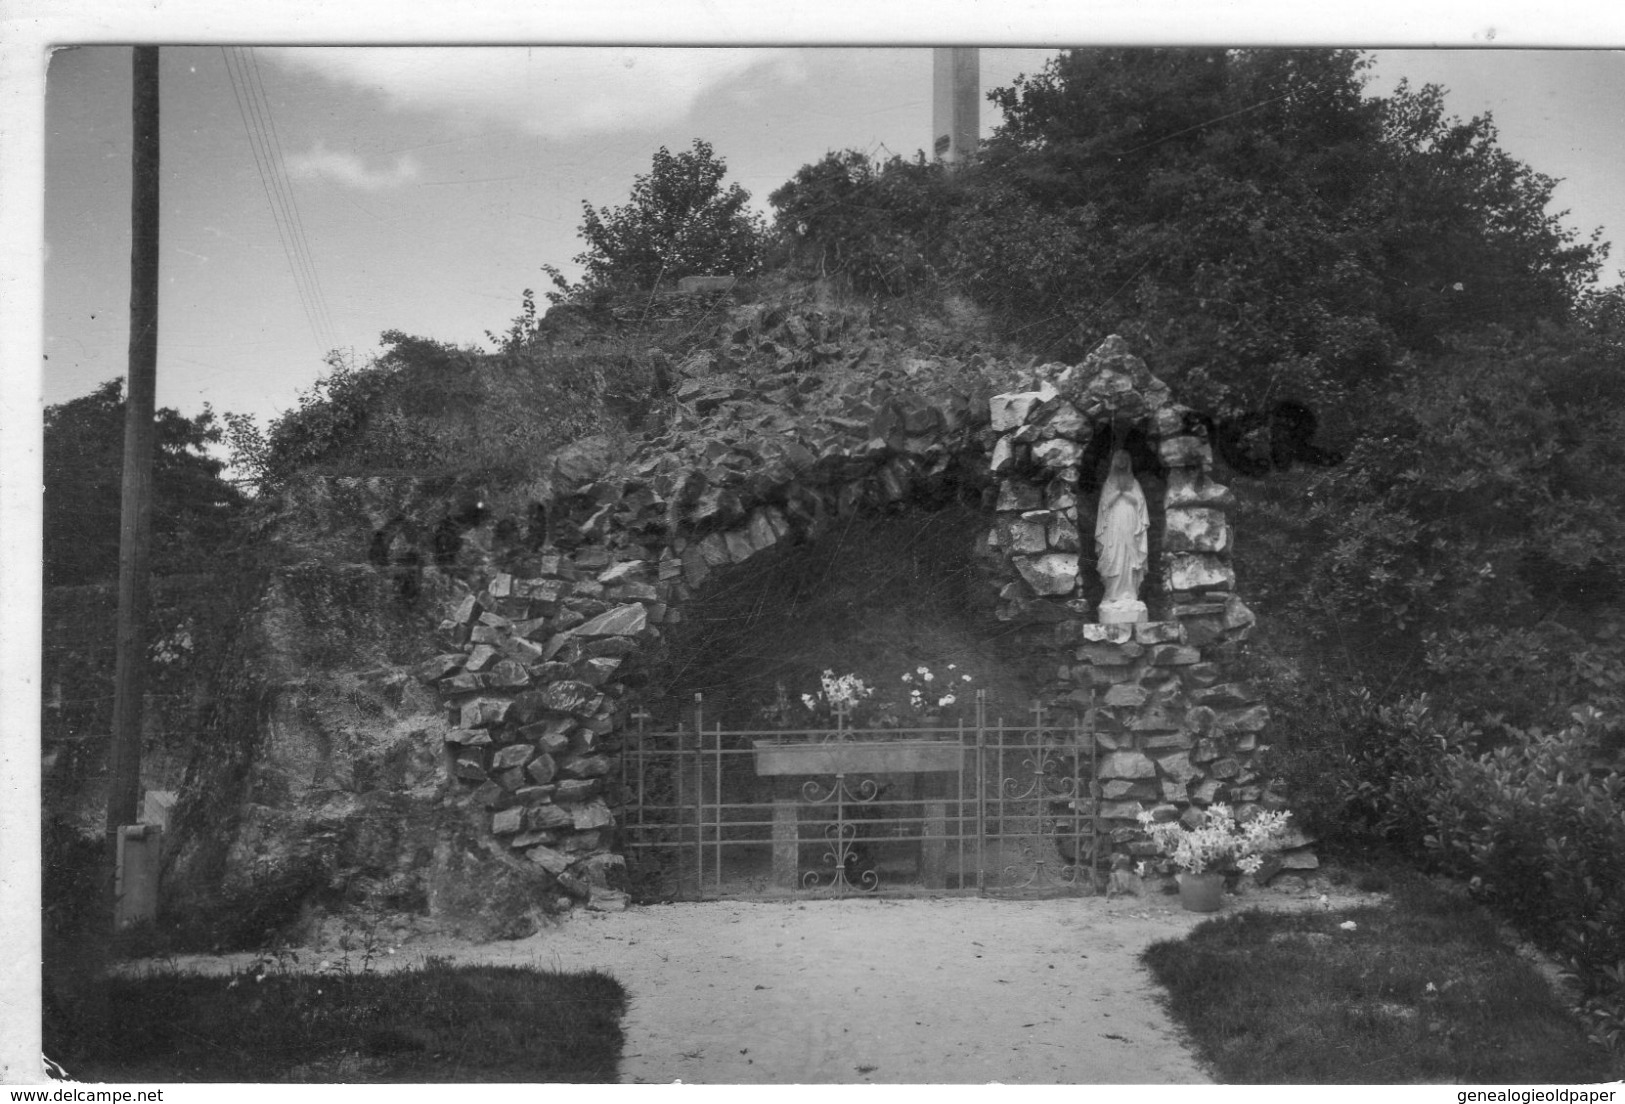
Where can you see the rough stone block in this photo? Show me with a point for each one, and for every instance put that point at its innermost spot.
(489, 795)
(624, 620)
(568, 696)
(1016, 495)
(1063, 536)
(1174, 655)
(1157, 632)
(507, 675)
(1004, 457)
(1226, 695)
(1127, 694)
(1057, 453)
(1160, 740)
(1192, 487)
(487, 634)
(554, 862)
(1118, 633)
(1198, 571)
(1063, 420)
(585, 766)
(468, 737)
(533, 795)
(484, 712)
(1023, 537)
(1196, 529)
(1254, 718)
(1178, 766)
(514, 755)
(594, 814)
(1238, 619)
(575, 790)
(541, 818)
(1127, 764)
(1055, 573)
(507, 821)
(470, 768)
(1119, 789)
(1012, 409)
(439, 667)
(1207, 791)
(1120, 810)
(1111, 655)
(1159, 717)
(521, 650)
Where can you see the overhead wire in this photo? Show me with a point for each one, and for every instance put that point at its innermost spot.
(278, 195)
(280, 163)
(282, 185)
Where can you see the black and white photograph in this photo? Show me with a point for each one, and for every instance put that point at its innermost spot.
(906, 550)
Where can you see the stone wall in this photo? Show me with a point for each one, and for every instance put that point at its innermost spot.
(543, 664)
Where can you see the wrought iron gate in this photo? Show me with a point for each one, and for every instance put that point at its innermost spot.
(983, 807)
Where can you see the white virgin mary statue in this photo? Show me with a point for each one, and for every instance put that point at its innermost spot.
(1121, 525)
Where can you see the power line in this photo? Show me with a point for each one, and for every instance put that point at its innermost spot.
(280, 163)
(278, 197)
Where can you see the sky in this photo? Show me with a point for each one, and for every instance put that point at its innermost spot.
(431, 184)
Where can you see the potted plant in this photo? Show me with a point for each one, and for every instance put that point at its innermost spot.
(1216, 843)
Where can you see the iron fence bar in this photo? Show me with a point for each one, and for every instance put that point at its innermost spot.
(981, 792)
(699, 796)
(717, 823)
(1094, 805)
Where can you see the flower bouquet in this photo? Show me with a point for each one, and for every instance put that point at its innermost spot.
(1218, 842)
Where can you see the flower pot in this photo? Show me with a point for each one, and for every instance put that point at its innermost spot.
(1201, 892)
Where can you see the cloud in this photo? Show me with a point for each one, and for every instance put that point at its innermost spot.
(348, 169)
(556, 92)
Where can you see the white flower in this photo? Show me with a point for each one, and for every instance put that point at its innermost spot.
(1217, 839)
(1432, 988)
(922, 670)
(908, 678)
(946, 699)
(952, 666)
(965, 677)
(1350, 925)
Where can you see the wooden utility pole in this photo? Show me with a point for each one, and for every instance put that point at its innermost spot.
(135, 519)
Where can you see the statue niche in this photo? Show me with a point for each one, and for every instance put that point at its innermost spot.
(1122, 546)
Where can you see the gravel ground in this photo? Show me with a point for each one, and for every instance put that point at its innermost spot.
(958, 990)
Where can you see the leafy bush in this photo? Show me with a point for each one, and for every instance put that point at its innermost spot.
(1537, 826)
(1362, 773)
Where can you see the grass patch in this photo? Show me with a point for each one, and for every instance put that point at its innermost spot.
(1422, 990)
(432, 1023)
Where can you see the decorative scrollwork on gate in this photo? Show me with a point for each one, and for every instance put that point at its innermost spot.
(843, 856)
(1040, 808)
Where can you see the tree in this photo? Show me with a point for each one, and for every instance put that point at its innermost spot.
(681, 221)
(1261, 225)
(192, 505)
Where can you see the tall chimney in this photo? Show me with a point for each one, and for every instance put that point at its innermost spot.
(955, 97)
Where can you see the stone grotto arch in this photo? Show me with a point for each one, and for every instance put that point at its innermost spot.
(543, 667)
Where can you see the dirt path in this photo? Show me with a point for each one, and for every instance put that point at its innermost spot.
(935, 991)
